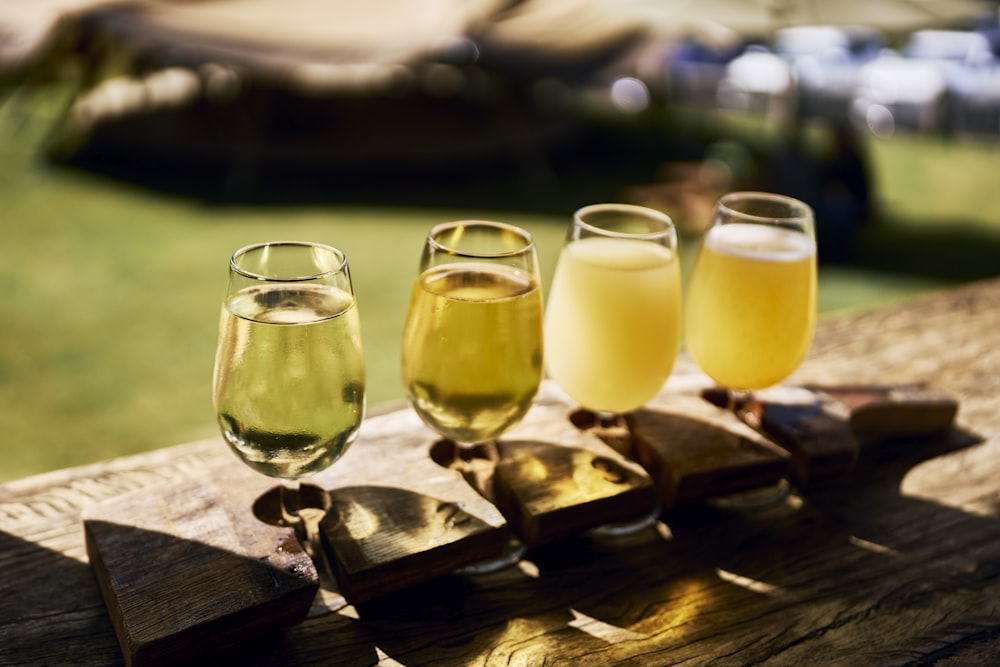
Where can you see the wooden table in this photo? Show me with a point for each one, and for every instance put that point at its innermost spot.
(897, 562)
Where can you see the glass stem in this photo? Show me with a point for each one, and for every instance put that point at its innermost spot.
(476, 464)
(291, 504)
(741, 404)
(608, 419)
(735, 401)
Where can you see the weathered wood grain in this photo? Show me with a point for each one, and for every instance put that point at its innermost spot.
(400, 516)
(186, 568)
(895, 563)
(695, 450)
(879, 412)
(812, 426)
(553, 479)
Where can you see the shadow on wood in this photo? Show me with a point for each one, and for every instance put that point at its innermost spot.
(380, 539)
(173, 599)
(548, 491)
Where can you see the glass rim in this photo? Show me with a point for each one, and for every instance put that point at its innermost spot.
(644, 211)
(253, 275)
(438, 229)
(798, 209)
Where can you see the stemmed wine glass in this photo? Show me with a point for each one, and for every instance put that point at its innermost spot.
(612, 320)
(289, 380)
(472, 342)
(751, 305)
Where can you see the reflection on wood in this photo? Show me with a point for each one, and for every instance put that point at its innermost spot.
(551, 490)
(186, 568)
(381, 539)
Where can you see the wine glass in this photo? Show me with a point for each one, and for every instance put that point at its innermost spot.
(289, 380)
(472, 343)
(612, 320)
(751, 305)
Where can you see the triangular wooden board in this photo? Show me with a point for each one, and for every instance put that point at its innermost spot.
(567, 483)
(695, 450)
(186, 568)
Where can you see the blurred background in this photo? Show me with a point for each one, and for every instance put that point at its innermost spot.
(142, 142)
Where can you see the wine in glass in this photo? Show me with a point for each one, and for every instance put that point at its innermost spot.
(612, 320)
(289, 379)
(751, 305)
(472, 342)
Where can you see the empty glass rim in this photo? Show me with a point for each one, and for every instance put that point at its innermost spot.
(255, 275)
(631, 209)
(436, 230)
(798, 209)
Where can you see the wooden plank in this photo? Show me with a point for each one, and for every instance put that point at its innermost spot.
(186, 568)
(695, 450)
(813, 427)
(556, 476)
(397, 517)
(382, 539)
(823, 427)
(553, 489)
(894, 411)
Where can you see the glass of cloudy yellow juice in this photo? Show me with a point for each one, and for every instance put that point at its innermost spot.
(751, 304)
(289, 376)
(612, 320)
(472, 341)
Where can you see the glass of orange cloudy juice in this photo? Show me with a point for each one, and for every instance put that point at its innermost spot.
(751, 304)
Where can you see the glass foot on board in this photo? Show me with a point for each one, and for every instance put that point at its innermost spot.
(629, 527)
(754, 498)
(476, 463)
(512, 554)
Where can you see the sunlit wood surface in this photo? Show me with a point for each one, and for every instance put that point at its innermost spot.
(896, 562)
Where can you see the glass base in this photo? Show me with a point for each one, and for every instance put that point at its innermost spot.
(629, 527)
(476, 464)
(754, 498)
(512, 555)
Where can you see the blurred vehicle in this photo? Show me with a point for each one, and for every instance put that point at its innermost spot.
(695, 68)
(825, 62)
(972, 76)
(899, 93)
(974, 106)
(757, 81)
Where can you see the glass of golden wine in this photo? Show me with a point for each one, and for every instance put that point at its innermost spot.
(472, 343)
(751, 304)
(289, 379)
(612, 320)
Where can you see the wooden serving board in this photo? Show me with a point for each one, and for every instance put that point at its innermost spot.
(399, 516)
(823, 427)
(813, 427)
(695, 450)
(187, 568)
(888, 412)
(553, 479)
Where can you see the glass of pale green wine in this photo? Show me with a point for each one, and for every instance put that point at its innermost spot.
(613, 317)
(289, 378)
(472, 344)
(751, 304)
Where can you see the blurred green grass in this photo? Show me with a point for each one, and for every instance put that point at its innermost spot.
(112, 291)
